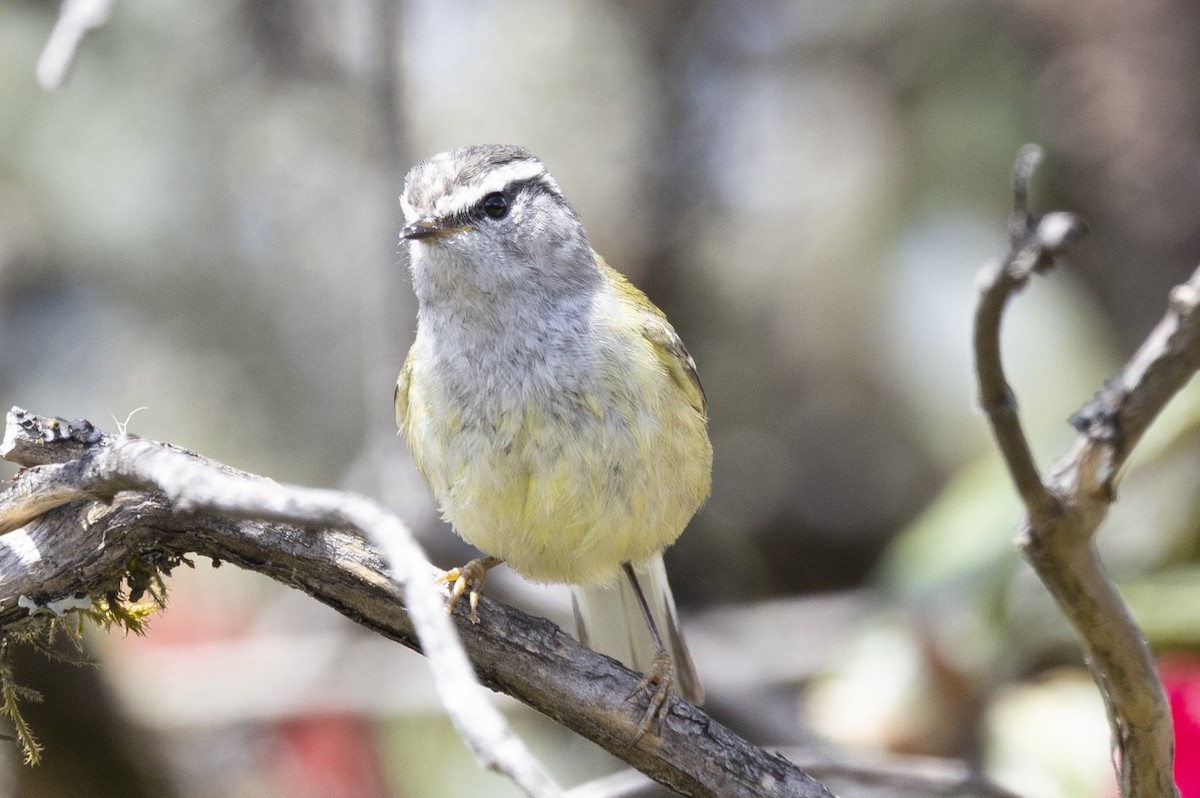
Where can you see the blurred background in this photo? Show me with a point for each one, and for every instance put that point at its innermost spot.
(202, 222)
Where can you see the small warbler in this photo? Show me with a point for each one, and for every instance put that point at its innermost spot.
(550, 406)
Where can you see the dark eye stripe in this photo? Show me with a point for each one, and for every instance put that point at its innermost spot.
(521, 192)
(533, 187)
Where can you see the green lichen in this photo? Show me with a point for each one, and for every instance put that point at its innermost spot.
(129, 610)
(12, 694)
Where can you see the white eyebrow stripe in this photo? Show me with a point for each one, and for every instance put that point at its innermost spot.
(496, 179)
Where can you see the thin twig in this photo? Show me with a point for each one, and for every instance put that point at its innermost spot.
(75, 19)
(193, 485)
(892, 776)
(1029, 252)
(929, 778)
(1065, 511)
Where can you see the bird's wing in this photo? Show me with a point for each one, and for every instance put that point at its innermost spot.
(401, 395)
(674, 355)
(659, 333)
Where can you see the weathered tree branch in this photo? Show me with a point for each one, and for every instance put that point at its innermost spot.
(1066, 509)
(129, 496)
(108, 466)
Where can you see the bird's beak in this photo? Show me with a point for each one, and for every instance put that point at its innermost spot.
(430, 228)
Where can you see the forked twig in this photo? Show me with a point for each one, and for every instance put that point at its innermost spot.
(1065, 509)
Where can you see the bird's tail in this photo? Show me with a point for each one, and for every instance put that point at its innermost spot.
(609, 620)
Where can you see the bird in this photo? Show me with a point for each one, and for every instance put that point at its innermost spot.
(550, 407)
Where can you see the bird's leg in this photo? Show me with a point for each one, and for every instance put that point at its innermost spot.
(661, 676)
(469, 577)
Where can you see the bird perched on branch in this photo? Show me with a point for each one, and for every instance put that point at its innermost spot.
(550, 406)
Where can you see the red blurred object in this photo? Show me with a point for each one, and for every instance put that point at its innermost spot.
(328, 756)
(1181, 678)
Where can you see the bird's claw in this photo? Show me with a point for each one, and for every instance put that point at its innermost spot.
(468, 578)
(657, 684)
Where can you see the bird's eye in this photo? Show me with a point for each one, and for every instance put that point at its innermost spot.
(495, 205)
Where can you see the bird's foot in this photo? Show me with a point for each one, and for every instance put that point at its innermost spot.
(657, 685)
(469, 577)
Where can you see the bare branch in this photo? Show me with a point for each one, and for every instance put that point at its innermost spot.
(85, 545)
(1032, 249)
(1120, 414)
(1065, 511)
